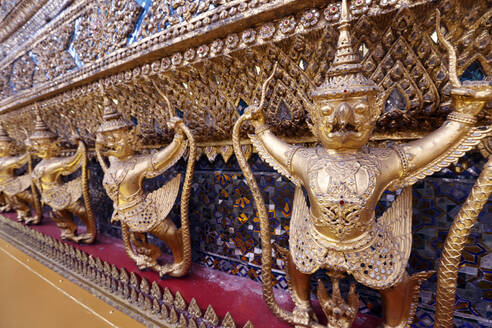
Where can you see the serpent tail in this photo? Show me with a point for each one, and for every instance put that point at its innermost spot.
(266, 246)
(35, 197)
(454, 245)
(91, 222)
(185, 199)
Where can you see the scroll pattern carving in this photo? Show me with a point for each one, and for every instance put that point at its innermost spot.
(6, 7)
(5, 89)
(166, 13)
(52, 55)
(22, 73)
(165, 21)
(105, 28)
(211, 84)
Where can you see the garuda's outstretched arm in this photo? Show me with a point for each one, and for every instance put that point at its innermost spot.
(15, 162)
(458, 134)
(273, 150)
(71, 164)
(447, 144)
(168, 156)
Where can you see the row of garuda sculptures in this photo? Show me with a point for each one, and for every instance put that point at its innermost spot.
(343, 178)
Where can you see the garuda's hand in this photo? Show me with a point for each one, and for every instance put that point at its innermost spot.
(174, 123)
(254, 114)
(471, 97)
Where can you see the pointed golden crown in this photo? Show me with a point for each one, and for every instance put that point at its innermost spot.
(345, 74)
(41, 130)
(112, 118)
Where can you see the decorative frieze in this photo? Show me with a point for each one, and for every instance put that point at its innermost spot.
(129, 293)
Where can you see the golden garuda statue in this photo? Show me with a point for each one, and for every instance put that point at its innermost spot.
(63, 198)
(15, 189)
(344, 178)
(140, 212)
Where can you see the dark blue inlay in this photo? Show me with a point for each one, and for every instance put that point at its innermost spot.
(474, 72)
(241, 106)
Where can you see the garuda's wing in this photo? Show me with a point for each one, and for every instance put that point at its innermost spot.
(165, 197)
(277, 166)
(398, 221)
(451, 156)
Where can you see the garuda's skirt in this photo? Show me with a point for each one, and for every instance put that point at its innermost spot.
(377, 259)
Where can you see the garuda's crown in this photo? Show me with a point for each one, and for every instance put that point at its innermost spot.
(112, 118)
(41, 130)
(345, 74)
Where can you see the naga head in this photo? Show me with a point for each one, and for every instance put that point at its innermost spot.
(345, 106)
(7, 144)
(43, 142)
(115, 135)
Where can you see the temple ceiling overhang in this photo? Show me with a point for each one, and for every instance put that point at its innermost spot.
(211, 57)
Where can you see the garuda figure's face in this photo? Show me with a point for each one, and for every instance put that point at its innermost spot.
(45, 148)
(115, 143)
(344, 122)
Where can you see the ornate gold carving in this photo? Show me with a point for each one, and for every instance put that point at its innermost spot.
(64, 199)
(156, 291)
(104, 28)
(179, 302)
(14, 189)
(164, 314)
(194, 309)
(182, 321)
(229, 43)
(22, 73)
(210, 316)
(228, 322)
(338, 312)
(18, 16)
(53, 58)
(137, 211)
(168, 297)
(454, 245)
(344, 175)
(164, 14)
(144, 286)
(173, 317)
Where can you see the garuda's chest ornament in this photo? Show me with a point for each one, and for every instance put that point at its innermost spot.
(138, 211)
(17, 192)
(344, 179)
(66, 199)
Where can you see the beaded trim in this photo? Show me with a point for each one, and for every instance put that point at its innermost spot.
(462, 118)
(290, 156)
(403, 158)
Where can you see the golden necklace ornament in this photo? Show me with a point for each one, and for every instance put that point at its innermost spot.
(344, 179)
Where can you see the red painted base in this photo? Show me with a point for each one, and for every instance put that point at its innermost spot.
(241, 297)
